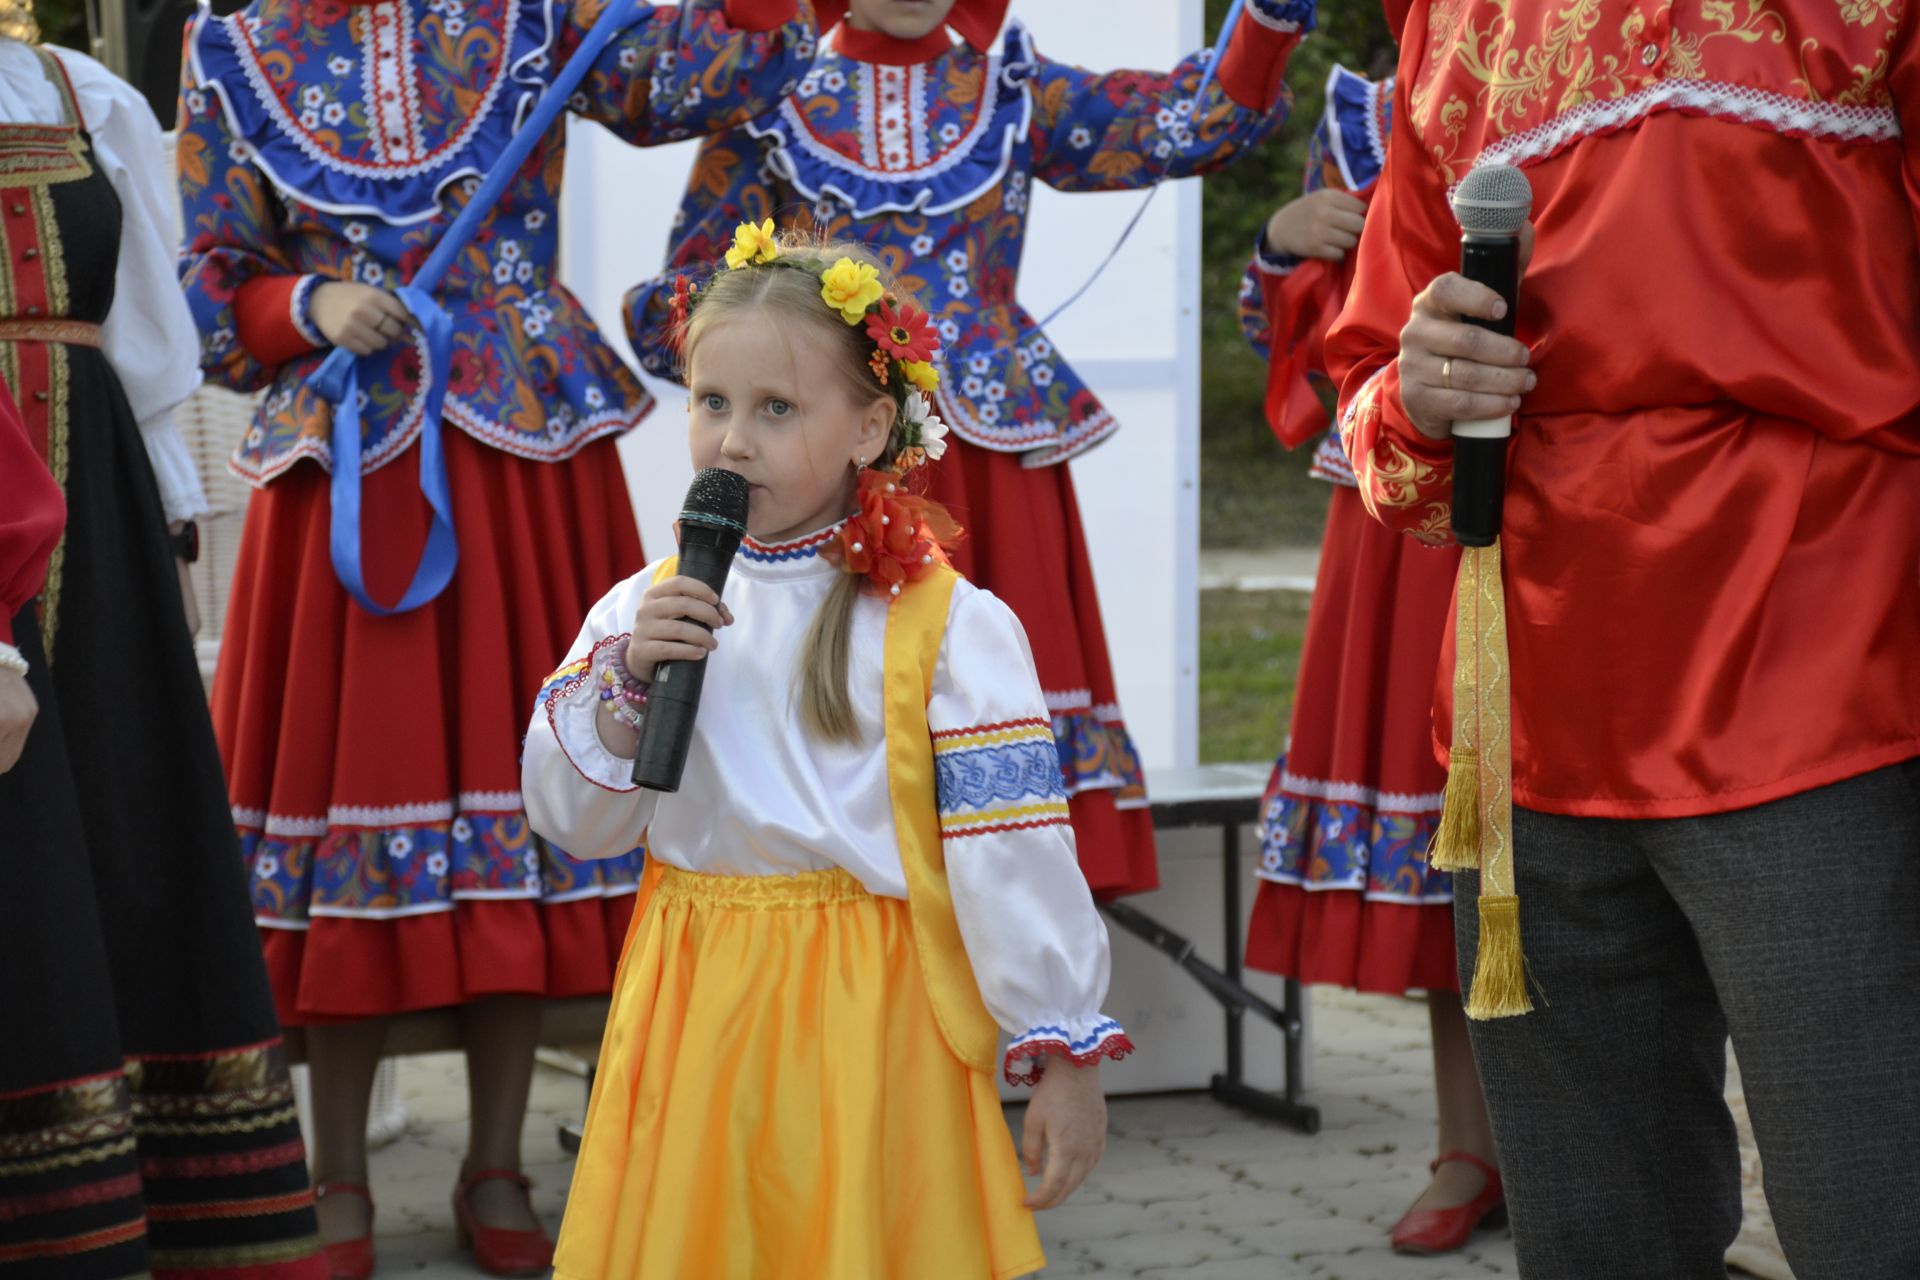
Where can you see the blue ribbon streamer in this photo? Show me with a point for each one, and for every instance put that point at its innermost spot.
(338, 378)
(1227, 25)
(441, 555)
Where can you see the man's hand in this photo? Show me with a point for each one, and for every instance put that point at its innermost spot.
(1451, 371)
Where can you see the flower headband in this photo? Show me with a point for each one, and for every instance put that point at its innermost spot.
(904, 345)
(893, 536)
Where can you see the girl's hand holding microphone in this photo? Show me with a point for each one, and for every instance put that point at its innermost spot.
(676, 622)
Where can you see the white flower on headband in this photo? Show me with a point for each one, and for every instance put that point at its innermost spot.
(924, 428)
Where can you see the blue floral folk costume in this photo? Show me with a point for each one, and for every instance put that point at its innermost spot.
(373, 762)
(926, 152)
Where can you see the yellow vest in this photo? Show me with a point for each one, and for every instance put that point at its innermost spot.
(916, 626)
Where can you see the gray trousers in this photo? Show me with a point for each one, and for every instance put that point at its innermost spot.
(1794, 926)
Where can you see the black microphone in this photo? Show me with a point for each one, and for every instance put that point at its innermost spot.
(1491, 205)
(711, 526)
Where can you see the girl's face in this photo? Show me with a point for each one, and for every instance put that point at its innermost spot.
(901, 19)
(796, 437)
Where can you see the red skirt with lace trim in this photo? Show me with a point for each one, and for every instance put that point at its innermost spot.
(374, 763)
(1346, 896)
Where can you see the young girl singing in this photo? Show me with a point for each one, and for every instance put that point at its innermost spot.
(869, 866)
(921, 131)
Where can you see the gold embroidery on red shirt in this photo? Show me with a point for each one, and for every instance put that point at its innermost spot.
(1518, 80)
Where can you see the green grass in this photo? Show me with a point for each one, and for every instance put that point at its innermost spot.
(1249, 658)
(1255, 494)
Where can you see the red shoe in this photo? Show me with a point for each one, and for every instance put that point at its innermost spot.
(496, 1250)
(349, 1259)
(1436, 1231)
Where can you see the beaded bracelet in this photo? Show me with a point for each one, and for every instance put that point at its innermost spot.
(627, 695)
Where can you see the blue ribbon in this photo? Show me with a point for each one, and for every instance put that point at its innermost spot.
(1227, 25)
(338, 378)
(442, 552)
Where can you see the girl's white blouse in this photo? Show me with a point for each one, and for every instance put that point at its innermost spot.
(762, 796)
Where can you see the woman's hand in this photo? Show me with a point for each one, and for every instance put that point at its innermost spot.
(1451, 371)
(1321, 224)
(1067, 1122)
(359, 317)
(665, 630)
(17, 711)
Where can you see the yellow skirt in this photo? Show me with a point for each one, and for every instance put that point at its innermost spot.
(776, 1102)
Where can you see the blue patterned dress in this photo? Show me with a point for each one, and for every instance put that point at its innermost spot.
(929, 159)
(373, 763)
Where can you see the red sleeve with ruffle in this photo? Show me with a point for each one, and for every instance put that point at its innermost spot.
(1301, 305)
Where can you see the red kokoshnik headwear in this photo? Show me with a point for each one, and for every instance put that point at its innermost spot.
(978, 22)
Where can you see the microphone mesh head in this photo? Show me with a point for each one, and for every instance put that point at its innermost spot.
(717, 497)
(1493, 200)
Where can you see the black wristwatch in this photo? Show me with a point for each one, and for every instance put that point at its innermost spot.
(186, 543)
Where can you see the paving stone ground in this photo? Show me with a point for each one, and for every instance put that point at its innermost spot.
(1188, 1189)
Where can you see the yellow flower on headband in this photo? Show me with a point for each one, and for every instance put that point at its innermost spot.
(921, 374)
(752, 244)
(850, 288)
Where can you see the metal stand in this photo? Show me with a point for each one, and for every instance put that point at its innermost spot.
(573, 1130)
(1212, 805)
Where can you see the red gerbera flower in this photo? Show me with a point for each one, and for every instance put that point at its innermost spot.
(894, 536)
(681, 308)
(905, 334)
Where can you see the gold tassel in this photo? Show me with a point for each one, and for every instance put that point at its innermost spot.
(1500, 970)
(1456, 844)
(1482, 728)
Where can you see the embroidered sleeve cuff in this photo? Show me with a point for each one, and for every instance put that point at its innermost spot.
(1290, 17)
(270, 318)
(1330, 463)
(300, 311)
(572, 701)
(1081, 1041)
(760, 15)
(1396, 425)
(10, 657)
(1405, 477)
(1270, 261)
(182, 496)
(1254, 67)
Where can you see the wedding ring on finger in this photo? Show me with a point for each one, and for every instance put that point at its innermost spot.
(1446, 375)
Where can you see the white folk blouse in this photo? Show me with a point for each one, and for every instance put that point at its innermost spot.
(762, 796)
